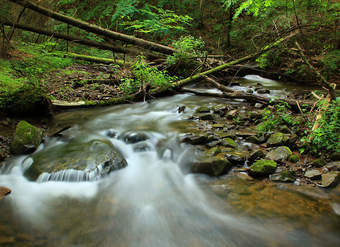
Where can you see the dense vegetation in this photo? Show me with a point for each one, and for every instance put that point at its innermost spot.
(196, 29)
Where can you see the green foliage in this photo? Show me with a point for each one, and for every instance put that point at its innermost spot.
(326, 137)
(331, 62)
(274, 118)
(145, 75)
(157, 21)
(187, 47)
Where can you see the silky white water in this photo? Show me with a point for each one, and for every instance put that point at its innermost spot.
(153, 202)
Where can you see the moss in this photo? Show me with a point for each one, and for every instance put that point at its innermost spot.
(262, 168)
(228, 142)
(27, 137)
(293, 158)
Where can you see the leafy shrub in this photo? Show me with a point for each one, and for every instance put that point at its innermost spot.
(187, 47)
(145, 75)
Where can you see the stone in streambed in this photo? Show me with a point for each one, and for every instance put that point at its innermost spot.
(212, 166)
(258, 154)
(4, 192)
(285, 176)
(134, 137)
(279, 154)
(262, 168)
(76, 161)
(228, 142)
(330, 179)
(313, 174)
(277, 139)
(293, 158)
(26, 139)
(202, 109)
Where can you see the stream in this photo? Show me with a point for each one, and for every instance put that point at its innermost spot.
(154, 201)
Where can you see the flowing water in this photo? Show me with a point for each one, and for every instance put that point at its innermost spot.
(154, 202)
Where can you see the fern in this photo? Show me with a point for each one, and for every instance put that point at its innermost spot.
(124, 8)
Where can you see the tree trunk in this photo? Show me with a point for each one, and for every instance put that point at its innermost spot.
(95, 29)
(91, 43)
(94, 59)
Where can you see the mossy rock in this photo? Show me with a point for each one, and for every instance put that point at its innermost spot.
(277, 139)
(213, 166)
(26, 139)
(28, 101)
(262, 168)
(285, 176)
(86, 157)
(228, 142)
(202, 109)
(279, 154)
(293, 158)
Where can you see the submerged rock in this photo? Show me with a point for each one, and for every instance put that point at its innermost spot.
(279, 154)
(262, 168)
(4, 192)
(27, 138)
(330, 179)
(134, 137)
(285, 176)
(76, 161)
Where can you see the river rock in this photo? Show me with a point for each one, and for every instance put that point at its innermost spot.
(212, 166)
(258, 105)
(4, 192)
(262, 91)
(202, 109)
(220, 109)
(198, 139)
(335, 156)
(206, 116)
(293, 158)
(285, 176)
(313, 174)
(318, 162)
(237, 157)
(228, 142)
(134, 137)
(258, 154)
(279, 154)
(330, 179)
(262, 168)
(76, 161)
(333, 166)
(277, 139)
(26, 139)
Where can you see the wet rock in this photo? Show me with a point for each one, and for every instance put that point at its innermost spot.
(212, 166)
(318, 162)
(258, 154)
(218, 126)
(134, 137)
(262, 168)
(335, 156)
(76, 161)
(333, 166)
(293, 158)
(181, 109)
(26, 139)
(206, 116)
(277, 139)
(285, 129)
(202, 109)
(250, 91)
(253, 139)
(259, 106)
(228, 142)
(199, 139)
(237, 157)
(279, 154)
(285, 176)
(220, 109)
(262, 91)
(141, 147)
(244, 176)
(4, 192)
(330, 179)
(231, 114)
(111, 133)
(313, 174)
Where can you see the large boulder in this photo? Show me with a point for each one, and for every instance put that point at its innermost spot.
(262, 168)
(330, 179)
(279, 154)
(26, 139)
(76, 161)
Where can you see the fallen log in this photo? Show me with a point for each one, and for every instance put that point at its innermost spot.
(95, 29)
(91, 43)
(95, 59)
(249, 97)
(190, 79)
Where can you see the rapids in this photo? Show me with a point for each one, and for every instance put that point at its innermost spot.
(153, 202)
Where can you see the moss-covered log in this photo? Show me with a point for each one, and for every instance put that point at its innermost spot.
(95, 59)
(95, 29)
